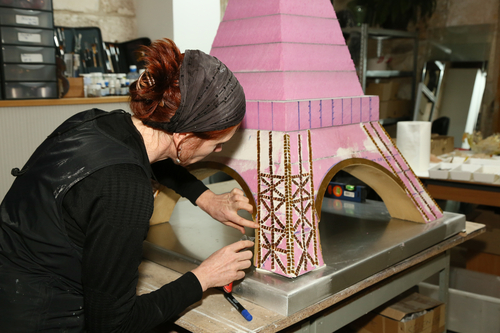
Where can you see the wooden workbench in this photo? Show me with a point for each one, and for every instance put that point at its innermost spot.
(215, 314)
(463, 191)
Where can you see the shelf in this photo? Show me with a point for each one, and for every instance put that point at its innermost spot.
(64, 101)
(383, 32)
(380, 35)
(388, 73)
(390, 121)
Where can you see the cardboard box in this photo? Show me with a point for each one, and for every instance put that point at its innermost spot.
(396, 108)
(415, 313)
(441, 144)
(384, 90)
(75, 87)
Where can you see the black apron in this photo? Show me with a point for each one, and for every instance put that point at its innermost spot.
(40, 267)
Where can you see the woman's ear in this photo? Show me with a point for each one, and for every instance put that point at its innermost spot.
(179, 138)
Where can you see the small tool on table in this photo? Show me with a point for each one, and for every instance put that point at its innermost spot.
(227, 289)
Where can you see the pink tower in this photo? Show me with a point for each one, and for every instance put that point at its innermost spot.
(307, 118)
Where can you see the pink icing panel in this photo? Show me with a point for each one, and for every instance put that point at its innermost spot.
(316, 110)
(373, 108)
(326, 112)
(312, 30)
(304, 114)
(251, 8)
(279, 28)
(292, 117)
(285, 57)
(323, 113)
(366, 113)
(356, 110)
(251, 115)
(279, 116)
(281, 86)
(337, 111)
(308, 8)
(265, 115)
(317, 85)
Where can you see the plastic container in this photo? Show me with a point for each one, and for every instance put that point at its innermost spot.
(30, 90)
(23, 36)
(22, 72)
(28, 54)
(463, 172)
(28, 4)
(484, 161)
(26, 18)
(487, 174)
(441, 171)
(132, 74)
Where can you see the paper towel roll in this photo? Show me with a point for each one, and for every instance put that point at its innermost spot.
(414, 142)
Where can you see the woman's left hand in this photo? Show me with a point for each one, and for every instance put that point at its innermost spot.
(224, 208)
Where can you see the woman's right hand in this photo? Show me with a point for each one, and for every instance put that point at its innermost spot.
(225, 265)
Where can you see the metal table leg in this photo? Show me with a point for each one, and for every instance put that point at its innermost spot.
(345, 312)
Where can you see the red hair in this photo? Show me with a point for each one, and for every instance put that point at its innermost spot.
(156, 95)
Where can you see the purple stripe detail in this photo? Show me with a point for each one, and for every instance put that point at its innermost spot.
(320, 113)
(342, 112)
(309, 114)
(298, 108)
(333, 111)
(370, 108)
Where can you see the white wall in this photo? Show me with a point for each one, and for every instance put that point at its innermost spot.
(196, 23)
(22, 129)
(154, 18)
(191, 24)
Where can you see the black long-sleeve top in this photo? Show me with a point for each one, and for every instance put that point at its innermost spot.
(107, 214)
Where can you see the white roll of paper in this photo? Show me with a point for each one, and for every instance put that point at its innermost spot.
(414, 142)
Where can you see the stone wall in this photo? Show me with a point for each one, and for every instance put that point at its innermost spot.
(115, 18)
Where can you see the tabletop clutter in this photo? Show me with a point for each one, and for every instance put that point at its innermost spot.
(480, 164)
(435, 156)
(94, 68)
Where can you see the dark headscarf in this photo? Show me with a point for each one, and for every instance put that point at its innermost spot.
(211, 97)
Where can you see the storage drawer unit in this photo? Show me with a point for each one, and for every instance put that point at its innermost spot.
(28, 55)
(30, 90)
(28, 4)
(24, 36)
(22, 72)
(26, 18)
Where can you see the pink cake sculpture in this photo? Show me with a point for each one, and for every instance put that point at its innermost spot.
(307, 118)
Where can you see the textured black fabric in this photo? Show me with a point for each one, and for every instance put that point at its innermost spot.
(117, 221)
(175, 177)
(45, 274)
(211, 97)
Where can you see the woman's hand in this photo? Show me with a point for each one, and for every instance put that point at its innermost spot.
(224, 208)
(225, 265)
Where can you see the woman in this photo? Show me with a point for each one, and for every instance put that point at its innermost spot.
(73, 222)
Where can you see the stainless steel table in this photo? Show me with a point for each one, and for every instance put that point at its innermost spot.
(361, 244)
